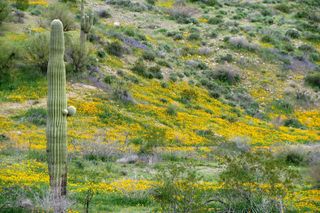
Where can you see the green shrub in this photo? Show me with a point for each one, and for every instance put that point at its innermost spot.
(282, 106)
(61, 11)
(244, 179)
(115, 48)
(120, 92)
(36, 116)
(183, 14)
(22, 4)
(292, 122)
(313, 80)
(4, 11)
(293, 33)
(76, 57)
(177, 191)
(38, 51)
(151, 72)
(140, 68)
(283, 8)
(132, 6)
(206, 2)
(188, 95)
(110, 79)
(172, 109)
(152, 2)
(194, 36)
(155, 72)
(213, 34)
(215, 20)
(8, 55)
(226, 58)
(295, 158)
(148, 55)
(151, 137)
(226, 74)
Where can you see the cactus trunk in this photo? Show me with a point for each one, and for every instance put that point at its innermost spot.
(85, 26)
(57, 105)
(82, 33)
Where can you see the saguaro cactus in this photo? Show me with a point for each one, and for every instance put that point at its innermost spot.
(57, 113)
(85, 25)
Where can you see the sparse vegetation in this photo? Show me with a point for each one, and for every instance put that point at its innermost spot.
(182, 106)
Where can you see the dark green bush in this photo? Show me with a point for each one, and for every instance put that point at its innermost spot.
(155, 72)
(194, 36)
(183, 14)
(38, 51)
(188, 95)
(4, 11)
(36, 116)
(177, 191)
(313, 80)
(120, 92)
(152, 2)
(61, 11)
(172, 109)
(285, 8)
(77, 59)
(115, 48)
(226, 58)
(110, 79)
(244, 179)
(22, 4)
(151, 72)
(215, 20)
(292, 122)
(226, 74)
(282, 106)
(293, 33)
(151, 138)
(140, 68)
(295, 158)
(8, 55)
(207, 2)
(148, 55)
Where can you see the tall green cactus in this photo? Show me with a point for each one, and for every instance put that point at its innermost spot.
(85, 25)
(57, 112)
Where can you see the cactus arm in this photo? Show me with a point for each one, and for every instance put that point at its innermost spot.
(71, 111)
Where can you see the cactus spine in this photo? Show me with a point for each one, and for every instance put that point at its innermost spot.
(57, 113)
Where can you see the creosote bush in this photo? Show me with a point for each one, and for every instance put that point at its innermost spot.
(178, 190)
(254, 182)
(36, 116)
(313, 80)
(77, 58)
(188, 95)
(151, 138)
(115, 48)
(148, 72)
(8, 54)
(4, 11)
(293, 122)
(183, 14)
(38, 52)
(61, 11)
(225, 73)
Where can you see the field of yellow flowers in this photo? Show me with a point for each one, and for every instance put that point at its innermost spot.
(27, 167)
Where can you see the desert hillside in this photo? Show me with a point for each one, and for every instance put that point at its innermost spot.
(181, 105)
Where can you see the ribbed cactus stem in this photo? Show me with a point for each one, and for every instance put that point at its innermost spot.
(87, 22)
(57, 119)
(85, 25)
